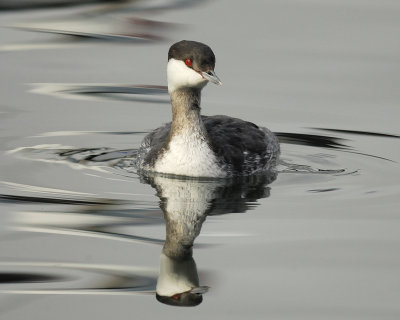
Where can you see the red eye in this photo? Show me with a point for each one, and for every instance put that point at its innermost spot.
(188, 62)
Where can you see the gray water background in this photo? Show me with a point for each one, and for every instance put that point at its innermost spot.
(325, 243)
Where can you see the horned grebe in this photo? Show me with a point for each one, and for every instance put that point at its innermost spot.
(203, 146)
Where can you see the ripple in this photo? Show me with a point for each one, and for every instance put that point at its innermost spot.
(113, 6)
(91, 91)
(110, 219)
(109, 25)
(96, 159)
(299, 161)
(341, 161)
(316, 157)
(75, 278)
(363, 133)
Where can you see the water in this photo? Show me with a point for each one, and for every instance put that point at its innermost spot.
(82, 234)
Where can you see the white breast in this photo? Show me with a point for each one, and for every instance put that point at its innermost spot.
(189, 155)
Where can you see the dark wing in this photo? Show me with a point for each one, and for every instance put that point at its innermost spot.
(151, 145)
(242, 145)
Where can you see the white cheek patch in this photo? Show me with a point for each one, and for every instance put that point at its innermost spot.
(180, 76)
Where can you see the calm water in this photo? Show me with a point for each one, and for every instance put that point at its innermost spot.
(82, 235)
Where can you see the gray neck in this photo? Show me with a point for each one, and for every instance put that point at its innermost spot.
(181, 233)
(185, 204)
(186, 111)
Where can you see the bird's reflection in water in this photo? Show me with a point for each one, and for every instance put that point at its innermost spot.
(186, 204)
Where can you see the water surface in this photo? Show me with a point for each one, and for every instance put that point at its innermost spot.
(82, 233)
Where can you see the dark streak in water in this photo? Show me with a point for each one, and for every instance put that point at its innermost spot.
(324, 190)
(121, 92)
(364, 133)
(14, 277)
(128, 89)
(75, 278)
(311, 140)
(112, 6)
(329, 142)
(42, 4)
(17, 199)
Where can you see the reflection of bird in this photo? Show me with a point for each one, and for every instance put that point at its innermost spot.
(203, 146)
(186, 203)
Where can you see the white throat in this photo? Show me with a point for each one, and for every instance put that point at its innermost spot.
(181, 76)
(189, 155)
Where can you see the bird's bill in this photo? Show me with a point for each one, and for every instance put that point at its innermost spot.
(211, 76)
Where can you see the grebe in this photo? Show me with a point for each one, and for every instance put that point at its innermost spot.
(203, 146)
